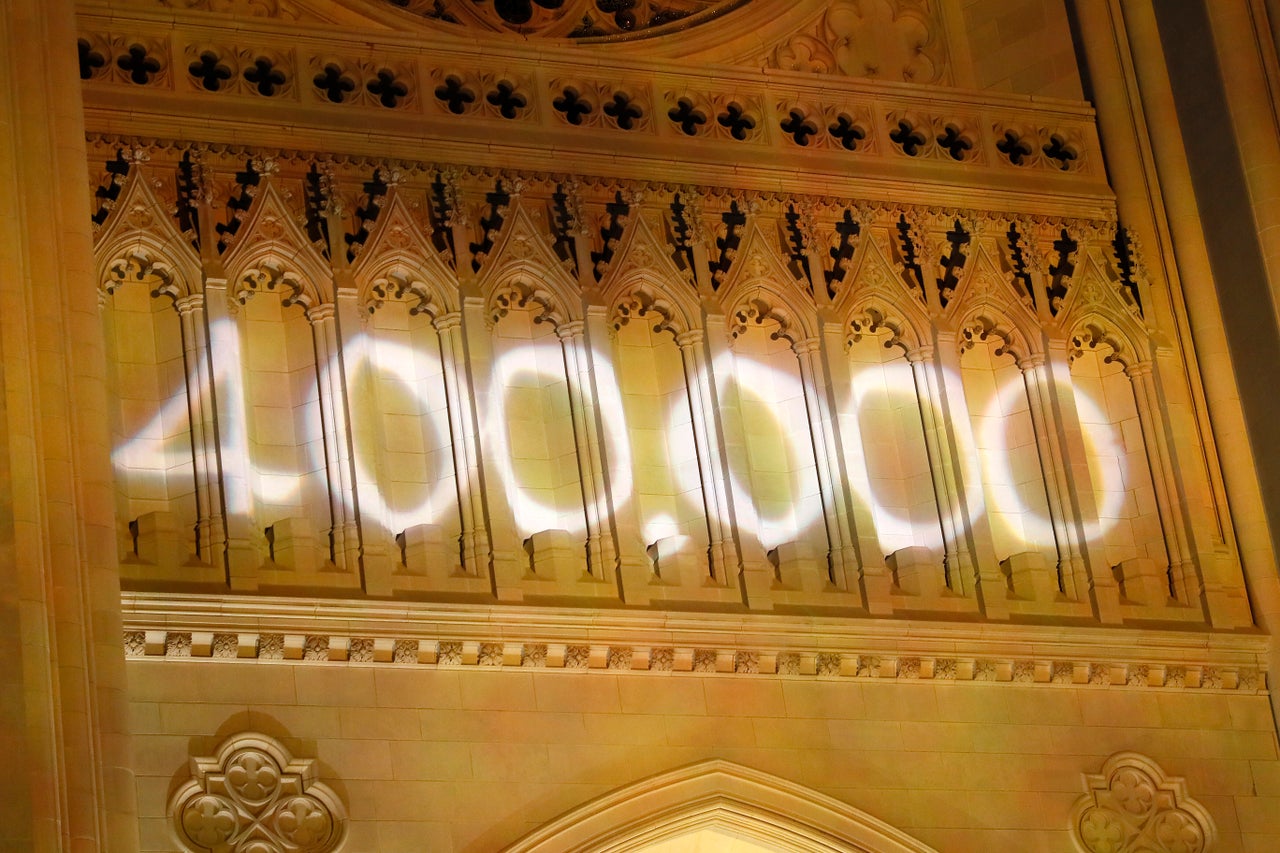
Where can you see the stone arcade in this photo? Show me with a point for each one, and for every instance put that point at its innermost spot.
(639, 425)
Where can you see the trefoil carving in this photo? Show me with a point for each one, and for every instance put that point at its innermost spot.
(252, 796)
(1133, 807)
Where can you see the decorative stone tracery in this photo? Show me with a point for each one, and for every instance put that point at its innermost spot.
(252, 796)
(1132, 807)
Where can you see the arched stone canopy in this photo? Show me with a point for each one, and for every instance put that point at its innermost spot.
(763, 808)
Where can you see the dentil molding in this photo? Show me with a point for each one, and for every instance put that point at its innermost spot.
(252, 796)
(272, 629)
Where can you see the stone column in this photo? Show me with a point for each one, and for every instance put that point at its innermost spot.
(1066, 528)
(211, 531)
(1182, 568)
(601, 553)
(844, 566)
(958, 561)
(377, 545)
(243, 536)
(753, 572)
(507, 560)
(726, 558)
(1144, 149)
(943, 391)
(853, 462)
(1246, 53)
(466, 453)
(68, 783)
(634, 565)
(337, 439)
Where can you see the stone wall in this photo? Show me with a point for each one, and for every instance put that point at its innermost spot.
(471, 759)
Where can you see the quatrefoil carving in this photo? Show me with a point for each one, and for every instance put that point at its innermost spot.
(1132, 807)
(252, 796)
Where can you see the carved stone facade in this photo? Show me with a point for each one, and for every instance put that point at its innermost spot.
(1131, 805)
(617, 273)
(750, 425)
(253, 797)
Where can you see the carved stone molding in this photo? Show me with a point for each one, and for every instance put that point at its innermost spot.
(267, 629)
(1132, 807)
(252, 796)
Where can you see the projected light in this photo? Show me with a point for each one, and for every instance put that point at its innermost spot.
(616, 439)
(1098, 434)
(535, 361)
(269, 486)
(896, 380)
(1102, 441)
(803, 509)
(661, 526)
(224, 339)
(369, 360)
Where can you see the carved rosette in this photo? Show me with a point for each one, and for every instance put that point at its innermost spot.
(253, 797)
(1132, 807)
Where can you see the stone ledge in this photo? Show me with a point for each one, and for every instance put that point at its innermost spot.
(411, 634)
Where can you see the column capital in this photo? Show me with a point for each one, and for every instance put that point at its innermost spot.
(920, 354)
(189, 304)
(806, 346)
(447, 322)
(691, 338)
(570, 329)
(319, 313)
(1139, 369)
(1031, 361)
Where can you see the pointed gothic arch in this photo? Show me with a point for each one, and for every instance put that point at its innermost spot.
(139, 242)
(1096, 311)
(872, 271)
(644, 280)
(398, 261)
(522, 270)
(761, 287)
(716, 794)
(272, 252)
(873, 311)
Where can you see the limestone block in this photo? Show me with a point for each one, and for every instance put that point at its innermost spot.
(294, 545)
(798, 567)
(917, 571)
(1031, 576)
(159, 540)
(1142, 581)
(673, 562)
(555, 554)
(425, 551)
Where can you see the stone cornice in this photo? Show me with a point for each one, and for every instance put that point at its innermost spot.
(277, 628)
(961, 159)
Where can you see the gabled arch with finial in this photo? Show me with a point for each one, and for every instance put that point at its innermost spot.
(874, 274)
(1095, 331)
(643, 281)
(140, 243)
(987, 304)
(762, 288)
(1096, 307)
(400, 262)
(987, 286)
(988, 273)
(986, 322)
(271, 252)
(717, 794)
(872, 313)
(523, 270)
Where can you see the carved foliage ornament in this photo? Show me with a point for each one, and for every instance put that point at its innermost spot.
(253, 797)
(884, 39)
(1132, 807)
(569, 18)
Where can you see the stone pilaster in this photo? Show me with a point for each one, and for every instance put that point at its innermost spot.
(67, 782)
